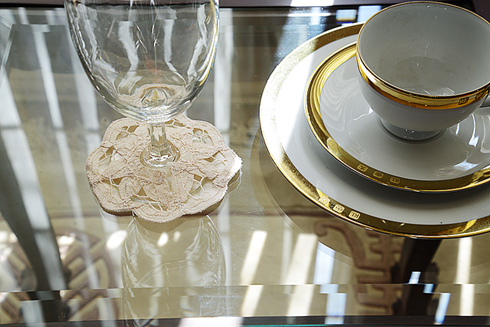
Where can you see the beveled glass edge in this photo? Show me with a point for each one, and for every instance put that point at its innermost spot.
(6, 44)
(315, 120)
(290, 172)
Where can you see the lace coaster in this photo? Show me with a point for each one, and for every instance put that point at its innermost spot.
(196, 181)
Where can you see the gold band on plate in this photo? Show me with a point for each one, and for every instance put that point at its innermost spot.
(315, 120)
(268, 113)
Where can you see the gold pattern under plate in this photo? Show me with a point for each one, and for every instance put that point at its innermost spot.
(268, 114)
(314, 117)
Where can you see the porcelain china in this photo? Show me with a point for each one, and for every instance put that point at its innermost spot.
(322, 179)
(424, 66)
(350, 130)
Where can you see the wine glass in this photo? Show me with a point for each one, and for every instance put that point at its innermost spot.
(148, 59)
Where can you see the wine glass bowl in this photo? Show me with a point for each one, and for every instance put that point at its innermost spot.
(148, 59)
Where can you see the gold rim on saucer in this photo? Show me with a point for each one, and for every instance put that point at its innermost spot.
(268, 113)
(314, 117)
(422, 101)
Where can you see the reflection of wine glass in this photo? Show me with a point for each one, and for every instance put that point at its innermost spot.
(149, 59)
(172, 270)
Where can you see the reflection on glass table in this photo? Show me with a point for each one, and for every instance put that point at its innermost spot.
(184, 254)
(264, 255)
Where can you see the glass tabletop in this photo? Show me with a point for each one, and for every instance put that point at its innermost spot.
(265, 256)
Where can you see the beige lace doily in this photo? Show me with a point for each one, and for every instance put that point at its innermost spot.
(196, 181)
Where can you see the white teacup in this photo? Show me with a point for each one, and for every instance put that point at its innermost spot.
(424, 66)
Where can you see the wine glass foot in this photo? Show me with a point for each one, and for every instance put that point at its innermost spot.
(160, 160)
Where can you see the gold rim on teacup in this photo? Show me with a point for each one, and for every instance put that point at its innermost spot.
(414, 99)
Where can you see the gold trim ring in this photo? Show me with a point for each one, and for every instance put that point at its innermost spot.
(412, 99)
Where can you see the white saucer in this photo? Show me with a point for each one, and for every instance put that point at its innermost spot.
(327, 183)
(348, 128)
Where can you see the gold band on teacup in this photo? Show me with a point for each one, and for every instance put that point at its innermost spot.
(418, 100)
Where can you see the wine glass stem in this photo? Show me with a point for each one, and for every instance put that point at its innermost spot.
(160, 151)
(159, 145)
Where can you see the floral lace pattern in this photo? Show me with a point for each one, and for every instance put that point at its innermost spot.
(193, 183)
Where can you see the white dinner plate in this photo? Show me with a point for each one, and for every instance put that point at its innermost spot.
(329, 184)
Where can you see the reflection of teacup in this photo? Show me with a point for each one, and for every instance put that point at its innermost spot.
(424, 66)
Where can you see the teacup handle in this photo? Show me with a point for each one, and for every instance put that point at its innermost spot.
(485, 107)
